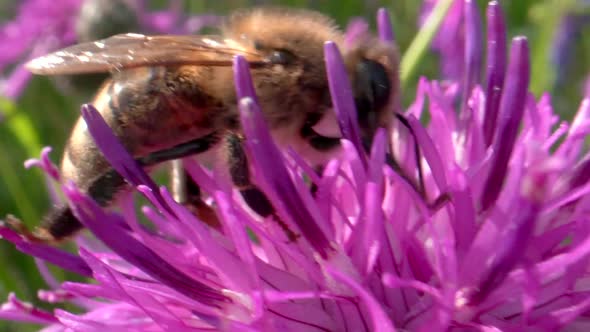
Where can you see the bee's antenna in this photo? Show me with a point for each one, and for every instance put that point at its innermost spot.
(417, 155)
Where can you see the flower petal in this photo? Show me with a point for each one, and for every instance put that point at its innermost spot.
(496, 67)
(45, 164)
(17, 310)
(101, 225)
(379, 319)
(268, 160)
(342, 98)
(55, 256)
(473, 49)
(384, 26)
(511, 112)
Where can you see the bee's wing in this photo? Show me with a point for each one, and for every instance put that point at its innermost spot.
(134, 50)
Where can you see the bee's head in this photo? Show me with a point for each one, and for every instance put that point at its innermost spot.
(294, 41)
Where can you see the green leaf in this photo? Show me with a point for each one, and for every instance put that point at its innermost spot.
(21, 126)
(23, 130)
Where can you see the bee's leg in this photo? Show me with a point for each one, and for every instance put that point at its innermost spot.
(43, 234)
(419, 187)
(240, 176)
(324, 144)
(60, 223)
(317, 142)
(417, 154)
(186, 192)
(196, 146)
(319, 170)
(178, 180)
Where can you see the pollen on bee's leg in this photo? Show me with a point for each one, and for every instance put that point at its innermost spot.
(59, 224)
(40, 235)
(204, 212)
(186, 192)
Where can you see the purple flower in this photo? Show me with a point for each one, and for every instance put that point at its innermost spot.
(508, 252)
(42, 26)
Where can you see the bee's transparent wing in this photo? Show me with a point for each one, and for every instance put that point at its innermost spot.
(134, 50)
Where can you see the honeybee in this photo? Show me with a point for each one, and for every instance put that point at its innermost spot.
(170, 97)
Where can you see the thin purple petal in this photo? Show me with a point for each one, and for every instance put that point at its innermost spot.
(101, 225)
(342, 98)
(357, 28)
(430, 153)
(511, 252)
(511, 111)
(45, 164)
(380, 320)
(55, 256)
(270, 161)
(496, 68)
(115, 153)
(243, 79)
(580, 174)
(473, 49)
(384, 26)
(267, 158)
(16, 309)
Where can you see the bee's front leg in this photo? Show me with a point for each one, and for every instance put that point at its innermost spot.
(419, 187)
(253, 196)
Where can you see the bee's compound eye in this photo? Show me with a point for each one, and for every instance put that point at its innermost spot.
(372, 87)
(373, 82)
(281, 57)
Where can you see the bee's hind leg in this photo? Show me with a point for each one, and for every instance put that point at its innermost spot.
(51, 235)
(61, 224)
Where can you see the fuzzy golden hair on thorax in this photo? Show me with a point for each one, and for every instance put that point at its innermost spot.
(284, 28)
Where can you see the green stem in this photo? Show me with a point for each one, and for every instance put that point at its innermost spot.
(415, 53)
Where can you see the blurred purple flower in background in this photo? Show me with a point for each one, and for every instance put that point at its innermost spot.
(42, 26)
(508, 252)
(565, 37)
(450, 41)
(569, 32)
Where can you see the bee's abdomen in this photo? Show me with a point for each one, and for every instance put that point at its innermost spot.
(149, 109)
(82, 160)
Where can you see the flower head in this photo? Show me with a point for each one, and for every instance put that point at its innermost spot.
(507, 250)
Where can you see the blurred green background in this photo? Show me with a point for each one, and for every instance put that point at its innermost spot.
(45, 112)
